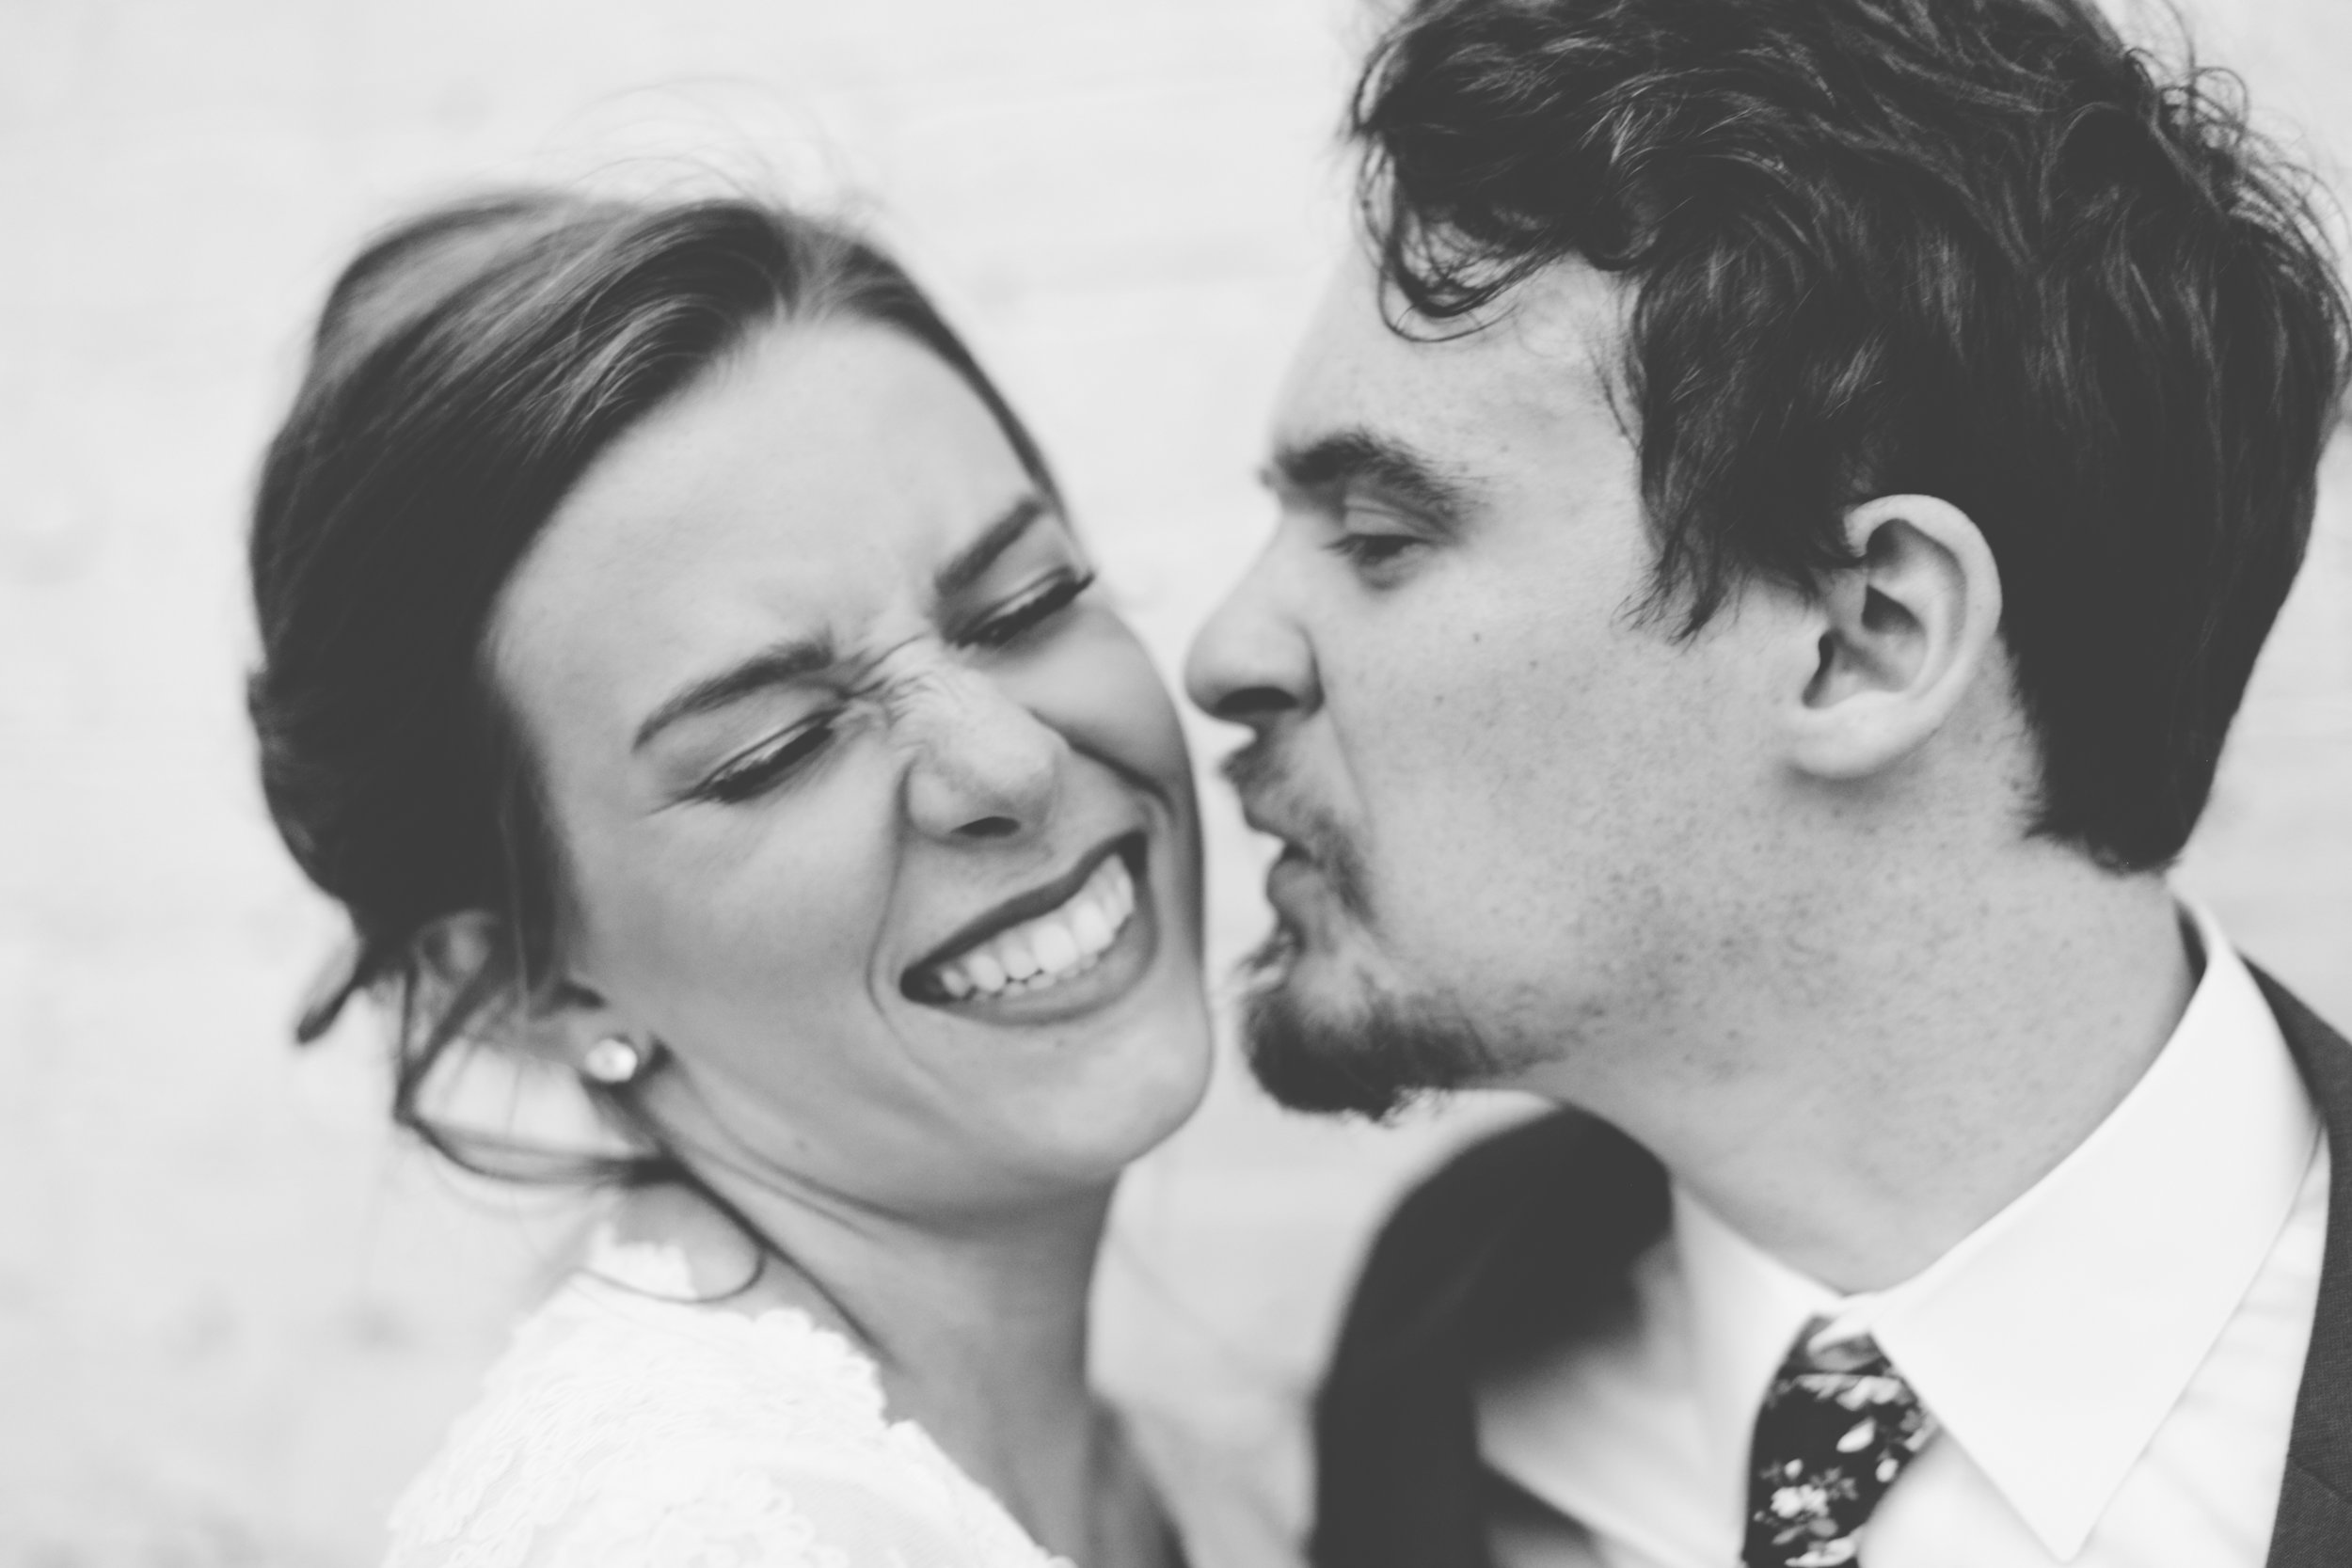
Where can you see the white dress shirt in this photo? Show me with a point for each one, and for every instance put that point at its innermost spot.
(2113, 1357)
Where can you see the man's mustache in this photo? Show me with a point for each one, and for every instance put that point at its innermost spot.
(1252, 769)
(1277, 806)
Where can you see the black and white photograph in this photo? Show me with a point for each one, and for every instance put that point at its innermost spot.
(1175, 784)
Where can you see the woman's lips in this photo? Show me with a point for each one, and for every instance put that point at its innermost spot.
(1043, 941)
(1042, 951)
(1093, 981)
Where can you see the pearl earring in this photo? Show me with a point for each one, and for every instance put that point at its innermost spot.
(612, 1061)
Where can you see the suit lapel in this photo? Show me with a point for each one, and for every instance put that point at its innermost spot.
(1508, 1246)
(2314, 1526)
(1523, 1234)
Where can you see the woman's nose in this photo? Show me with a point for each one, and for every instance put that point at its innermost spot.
(983, 766)
(1253, 663)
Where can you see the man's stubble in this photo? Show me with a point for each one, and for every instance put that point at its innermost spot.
(1376, 1053)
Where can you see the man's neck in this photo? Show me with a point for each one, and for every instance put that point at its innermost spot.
(1858, 1115)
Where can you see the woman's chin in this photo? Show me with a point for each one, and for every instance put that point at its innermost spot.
(1092, 1070)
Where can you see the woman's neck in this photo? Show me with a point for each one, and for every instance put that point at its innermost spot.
(978, 1330)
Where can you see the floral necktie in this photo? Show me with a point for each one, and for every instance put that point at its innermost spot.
(1838, 1427)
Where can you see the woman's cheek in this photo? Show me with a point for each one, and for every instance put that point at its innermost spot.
(735, 911)
(809, 892)
(1102, 690)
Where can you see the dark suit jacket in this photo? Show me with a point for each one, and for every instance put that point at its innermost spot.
(1519, 1238)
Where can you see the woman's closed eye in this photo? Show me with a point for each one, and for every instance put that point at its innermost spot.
(763, 767)
(1026, 611)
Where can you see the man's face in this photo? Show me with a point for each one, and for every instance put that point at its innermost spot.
(1512, 807)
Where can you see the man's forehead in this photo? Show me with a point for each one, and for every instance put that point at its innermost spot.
(1548, 348)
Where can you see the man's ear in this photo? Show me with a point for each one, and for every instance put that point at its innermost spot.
(468, 962)
(1900, 636)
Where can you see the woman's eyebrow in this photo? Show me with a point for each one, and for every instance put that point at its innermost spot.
(971, 563)
(778, 664)
(781, 663)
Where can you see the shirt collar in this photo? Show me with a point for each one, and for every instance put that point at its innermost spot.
(2053, 1340)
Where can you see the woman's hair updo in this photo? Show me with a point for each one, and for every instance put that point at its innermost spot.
(468, 365)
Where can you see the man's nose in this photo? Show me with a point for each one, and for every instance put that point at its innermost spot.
(983, 766)
(1252, 663)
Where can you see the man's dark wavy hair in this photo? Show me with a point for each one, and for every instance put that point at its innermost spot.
(1979, 249)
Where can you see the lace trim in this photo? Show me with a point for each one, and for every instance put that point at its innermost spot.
(628, 1424)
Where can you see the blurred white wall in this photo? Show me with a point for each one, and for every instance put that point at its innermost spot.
(234, 1312)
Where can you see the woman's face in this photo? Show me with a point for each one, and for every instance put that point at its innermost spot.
(870, 809)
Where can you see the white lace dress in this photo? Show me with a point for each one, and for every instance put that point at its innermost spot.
(625, 1426)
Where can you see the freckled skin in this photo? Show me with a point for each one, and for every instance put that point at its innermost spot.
(816, 483)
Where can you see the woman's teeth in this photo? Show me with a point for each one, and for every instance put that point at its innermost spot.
(1049, 949)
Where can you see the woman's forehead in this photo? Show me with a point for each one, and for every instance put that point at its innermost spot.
(838, 438)
(814, 484)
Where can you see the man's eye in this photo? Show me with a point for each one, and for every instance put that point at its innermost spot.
(1380, 557)
(1374, 539)
(1372, 550)
(1010, 624)
(757, 771)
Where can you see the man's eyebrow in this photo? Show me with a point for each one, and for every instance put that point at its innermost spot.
(971, 563)
(1350, 457)
(779, 664)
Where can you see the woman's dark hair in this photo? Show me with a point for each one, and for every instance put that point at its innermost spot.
(1977, 250)
(468, 365)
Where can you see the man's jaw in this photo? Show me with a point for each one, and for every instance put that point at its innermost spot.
(1324, 1031)
(1372, 1055)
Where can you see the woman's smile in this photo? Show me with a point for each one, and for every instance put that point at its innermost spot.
(824, 817)
(862, 780)
(1091, 939)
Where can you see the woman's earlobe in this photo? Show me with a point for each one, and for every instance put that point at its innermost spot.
(466, 963)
